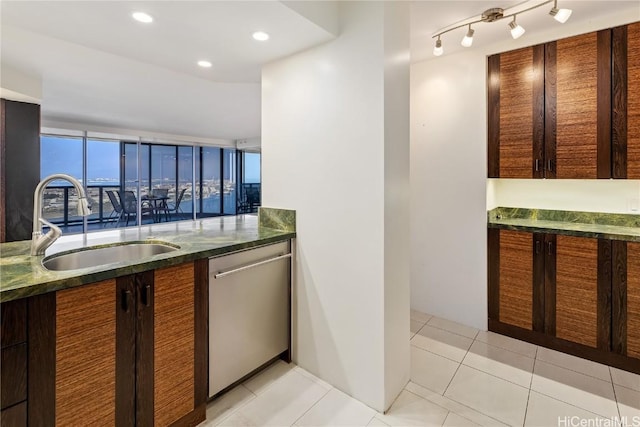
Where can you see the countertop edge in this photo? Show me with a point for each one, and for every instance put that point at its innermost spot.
(168, 261)
(564, 231)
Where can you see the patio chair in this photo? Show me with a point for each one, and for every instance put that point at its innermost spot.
(130, 206)
(175, 207)
(117, 207)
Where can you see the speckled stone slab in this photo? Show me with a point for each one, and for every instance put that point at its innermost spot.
(22, 275)
(278, 219)
(572, 223)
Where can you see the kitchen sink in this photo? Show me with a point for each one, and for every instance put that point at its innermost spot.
(95, 256)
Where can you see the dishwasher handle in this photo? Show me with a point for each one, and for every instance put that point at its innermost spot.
(222, 274)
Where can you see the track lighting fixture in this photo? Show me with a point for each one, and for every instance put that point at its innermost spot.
(438, 50)
(496, 14)
(516, 29)
(467, 41)
(560, 15)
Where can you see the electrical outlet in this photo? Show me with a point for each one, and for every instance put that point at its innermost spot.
(634, 205)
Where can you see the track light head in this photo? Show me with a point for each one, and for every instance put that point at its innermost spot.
(560, 15)
(438, 49)
(516, 30)
(467, 41)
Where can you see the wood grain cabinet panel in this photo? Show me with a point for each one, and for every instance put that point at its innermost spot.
(633, 101)
(577, 289)
(14, 322)
(581, 117)
(174, 344)
(633, 300)
(13, 364)
(16, 416)
(516, 113)
(516, 279)
(626, 101)
(85, 355)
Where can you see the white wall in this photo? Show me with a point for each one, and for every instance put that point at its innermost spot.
(587, 195)
(327, 124)
(448, 172)
(17, 85)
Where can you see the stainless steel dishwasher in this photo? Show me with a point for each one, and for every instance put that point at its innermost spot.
(249, 315)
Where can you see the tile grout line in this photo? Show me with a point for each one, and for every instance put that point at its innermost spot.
(509, 350)
(312, 406)
(526, 409)
(439, 355)
(506, 349)
(453, 376)
(455, 333)
(577, 372)
(573, 370)
(572, 404)
(255, 395)
(237, 408)
(456, 402)
(615, 395)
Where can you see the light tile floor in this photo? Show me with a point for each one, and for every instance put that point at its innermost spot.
(459, 377)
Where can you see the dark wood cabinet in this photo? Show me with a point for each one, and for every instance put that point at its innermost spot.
(125, 351)
(516, 113)
(567, 109)
(575, 294)
(85, 355)
(19, 140)
(626, 298)
(626, 101)
(513, 277)
(13, 364)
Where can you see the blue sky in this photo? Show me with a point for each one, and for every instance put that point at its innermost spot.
(64, 155)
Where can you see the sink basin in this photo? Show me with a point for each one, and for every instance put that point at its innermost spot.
(92, 257)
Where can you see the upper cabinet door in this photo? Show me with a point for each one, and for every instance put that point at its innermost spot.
(626, 101)
(516, 113)
(578, 107)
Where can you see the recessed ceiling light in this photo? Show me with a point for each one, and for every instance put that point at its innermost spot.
(261, 36)
(142, 17)
(204, 64)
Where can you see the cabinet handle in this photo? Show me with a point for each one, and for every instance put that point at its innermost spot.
(550, 165)
(537, 246)
(146, 295)
(537, 165)
(126, 296)
(550, 248)
(246, 267)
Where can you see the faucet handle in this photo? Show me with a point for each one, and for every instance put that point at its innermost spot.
(40, 243)
(54, 230)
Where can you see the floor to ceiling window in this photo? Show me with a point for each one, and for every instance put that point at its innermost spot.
(61, 154)
(250, 195)
(166, 182)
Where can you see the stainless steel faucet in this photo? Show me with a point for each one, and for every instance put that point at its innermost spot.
(39, 242)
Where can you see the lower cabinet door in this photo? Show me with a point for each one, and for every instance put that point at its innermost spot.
(633, 300)
(582, 289)
(174, 315)
(85, 355)
(511, 277)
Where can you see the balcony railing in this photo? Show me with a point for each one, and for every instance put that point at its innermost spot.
(60, 203)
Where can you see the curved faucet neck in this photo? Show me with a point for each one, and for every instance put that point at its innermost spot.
(39, 194)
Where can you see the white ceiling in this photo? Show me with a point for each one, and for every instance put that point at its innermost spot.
(100, 67)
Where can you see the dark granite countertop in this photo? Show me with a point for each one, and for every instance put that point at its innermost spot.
(22, 275)
(571, 223)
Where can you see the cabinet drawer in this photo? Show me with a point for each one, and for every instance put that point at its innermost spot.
(14, 322)
(16, 416)
(13, 388)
